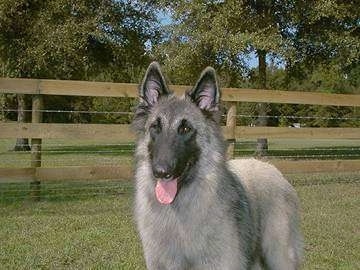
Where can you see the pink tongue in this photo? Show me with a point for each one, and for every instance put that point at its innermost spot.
(166, 191)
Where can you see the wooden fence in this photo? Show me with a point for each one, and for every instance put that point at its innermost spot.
(38, 131)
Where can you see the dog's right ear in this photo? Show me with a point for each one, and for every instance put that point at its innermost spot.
(206, 94)
(152, 88)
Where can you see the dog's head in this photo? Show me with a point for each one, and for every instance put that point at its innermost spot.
(175, 129)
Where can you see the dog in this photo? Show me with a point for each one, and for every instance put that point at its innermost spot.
(195, 210)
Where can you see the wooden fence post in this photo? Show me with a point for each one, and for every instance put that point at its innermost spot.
(231, 124)
(37, 105)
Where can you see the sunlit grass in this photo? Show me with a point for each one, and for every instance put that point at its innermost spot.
(85, 229)
(89, 225)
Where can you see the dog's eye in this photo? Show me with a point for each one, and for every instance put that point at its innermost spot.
(184, 128)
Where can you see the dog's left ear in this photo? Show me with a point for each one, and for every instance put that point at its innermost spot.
(206, 92)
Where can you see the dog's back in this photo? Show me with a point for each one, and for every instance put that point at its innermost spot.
(275, 210)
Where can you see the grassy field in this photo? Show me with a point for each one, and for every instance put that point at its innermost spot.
(95, 230)
(89, 225)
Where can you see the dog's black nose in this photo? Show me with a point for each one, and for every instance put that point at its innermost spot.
(162, 171)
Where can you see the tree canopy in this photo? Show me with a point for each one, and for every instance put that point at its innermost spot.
(299, 45)
(75, 39)
(303, 35)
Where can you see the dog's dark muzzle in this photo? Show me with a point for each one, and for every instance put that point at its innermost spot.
(163, 171)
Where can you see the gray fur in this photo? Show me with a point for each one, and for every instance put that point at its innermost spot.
(241, 214)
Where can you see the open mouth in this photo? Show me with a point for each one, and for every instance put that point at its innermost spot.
(167, 189)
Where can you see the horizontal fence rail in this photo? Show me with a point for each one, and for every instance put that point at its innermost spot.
(122, 133)
(125, 172)
(106, 89)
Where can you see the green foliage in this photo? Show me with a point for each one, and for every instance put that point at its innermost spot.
(122, 110)
(328, 78)
(307, 35)
(222, 34)
(103, 40)
(326, 31)
(64, 39)
(108, 40)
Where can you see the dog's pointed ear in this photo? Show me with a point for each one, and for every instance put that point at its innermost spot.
(206, 92)
(151, 89)
(153, 85)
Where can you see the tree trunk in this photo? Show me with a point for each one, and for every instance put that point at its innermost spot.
(262, 143)
(22, 144)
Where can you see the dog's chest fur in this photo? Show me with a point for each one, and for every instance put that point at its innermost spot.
(196, 231)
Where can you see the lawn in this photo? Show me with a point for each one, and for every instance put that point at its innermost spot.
(93, 228)
(89, 225)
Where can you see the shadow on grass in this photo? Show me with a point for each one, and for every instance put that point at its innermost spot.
(333, 152)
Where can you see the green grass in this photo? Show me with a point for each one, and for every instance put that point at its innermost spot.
(95, 233)
(331, 218)
(89, 225)
(60, 153)
(95, 230)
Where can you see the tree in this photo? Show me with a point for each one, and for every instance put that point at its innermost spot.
(22, 144)
(67, 39)
(83, 40)
(327, 33)
(228, 31)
